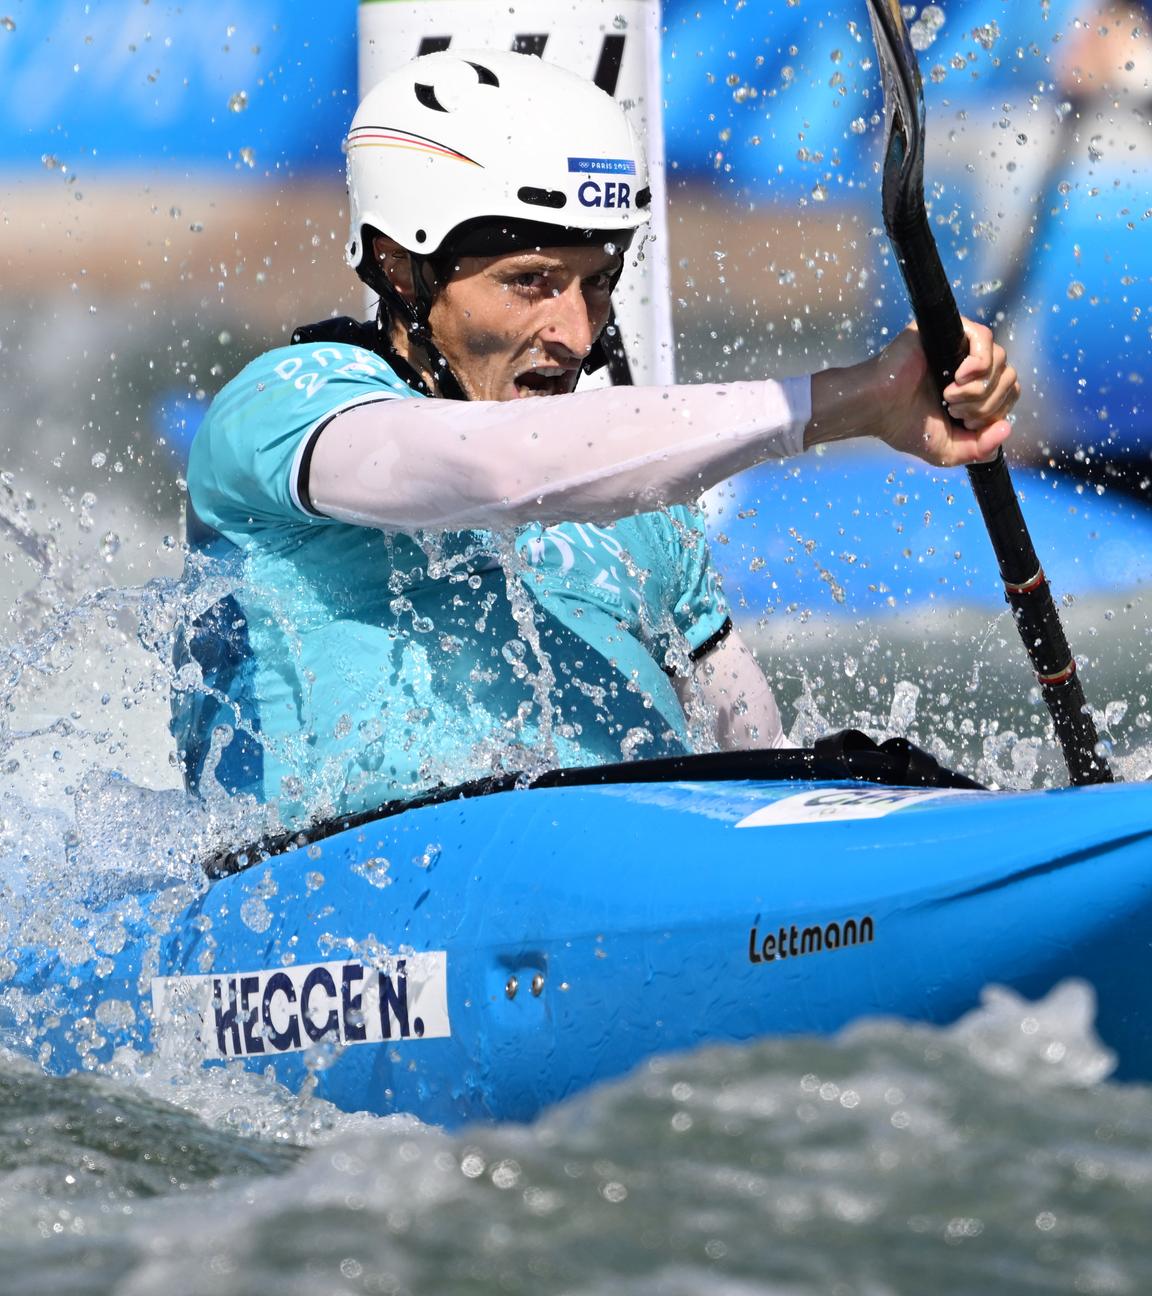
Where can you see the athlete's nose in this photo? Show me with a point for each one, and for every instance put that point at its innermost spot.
(570, 324)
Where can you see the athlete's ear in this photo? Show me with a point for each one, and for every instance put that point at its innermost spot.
(396, 264)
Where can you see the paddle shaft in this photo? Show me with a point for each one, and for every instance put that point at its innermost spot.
(945, 345)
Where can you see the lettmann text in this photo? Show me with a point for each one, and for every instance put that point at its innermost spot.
(794, 941)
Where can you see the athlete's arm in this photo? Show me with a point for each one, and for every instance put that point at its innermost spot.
(728, 681)
(436, 464)
(598, 456)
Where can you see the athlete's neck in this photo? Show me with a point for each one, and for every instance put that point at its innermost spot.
(408, 349)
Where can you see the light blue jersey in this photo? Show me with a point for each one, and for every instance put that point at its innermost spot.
(334, 667)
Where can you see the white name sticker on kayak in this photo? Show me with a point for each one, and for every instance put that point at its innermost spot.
(289, 1009)
(828, 804)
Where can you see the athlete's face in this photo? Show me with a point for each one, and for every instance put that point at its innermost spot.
(521, 324)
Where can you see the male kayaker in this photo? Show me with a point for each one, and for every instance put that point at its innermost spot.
(428, 576)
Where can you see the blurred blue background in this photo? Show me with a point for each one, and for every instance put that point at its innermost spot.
(128, 85)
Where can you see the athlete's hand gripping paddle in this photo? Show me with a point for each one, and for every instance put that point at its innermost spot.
(945, 345)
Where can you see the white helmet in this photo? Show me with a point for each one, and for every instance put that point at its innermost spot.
(485, 150)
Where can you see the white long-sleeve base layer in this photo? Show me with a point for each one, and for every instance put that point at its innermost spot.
(407, 465)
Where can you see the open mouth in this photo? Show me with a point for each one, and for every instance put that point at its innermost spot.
(545, 380)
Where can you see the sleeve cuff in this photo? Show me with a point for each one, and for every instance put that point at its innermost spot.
(789, 402)
(714, 640)
(299, 475)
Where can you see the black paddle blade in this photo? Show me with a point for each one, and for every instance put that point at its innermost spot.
(941, 329)
(903, 190)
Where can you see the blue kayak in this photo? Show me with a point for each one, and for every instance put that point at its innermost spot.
(483, 957)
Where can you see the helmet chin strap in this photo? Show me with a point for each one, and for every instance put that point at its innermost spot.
(414, 316)
(419, 312)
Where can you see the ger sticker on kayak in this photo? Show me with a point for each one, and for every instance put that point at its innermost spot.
(289, 1009)
(828, 804)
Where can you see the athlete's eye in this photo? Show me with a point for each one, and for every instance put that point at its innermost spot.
(599, 283)
(530, 281)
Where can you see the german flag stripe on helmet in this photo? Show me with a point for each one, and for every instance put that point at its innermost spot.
(390, 137)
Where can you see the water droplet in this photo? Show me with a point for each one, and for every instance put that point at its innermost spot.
(633, 740)
(255, 914)
(238, 102)
(902, 714)
(430, 855)
(986, 35)
(248, 156)
(1075, 289)
(7, 24)
(99, 459)
(1114, 712)
(374, 871)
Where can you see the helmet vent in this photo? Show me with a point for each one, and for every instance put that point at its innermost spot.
(542, 197)
(644, 197)
(427, 96)
(486, 75)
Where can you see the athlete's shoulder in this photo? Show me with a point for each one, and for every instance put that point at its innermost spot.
(315, 371)
(246, 460)
(289, 389)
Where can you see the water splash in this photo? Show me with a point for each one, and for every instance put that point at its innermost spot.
(16, 527)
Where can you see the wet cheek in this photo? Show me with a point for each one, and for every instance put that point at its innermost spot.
(484, 342)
